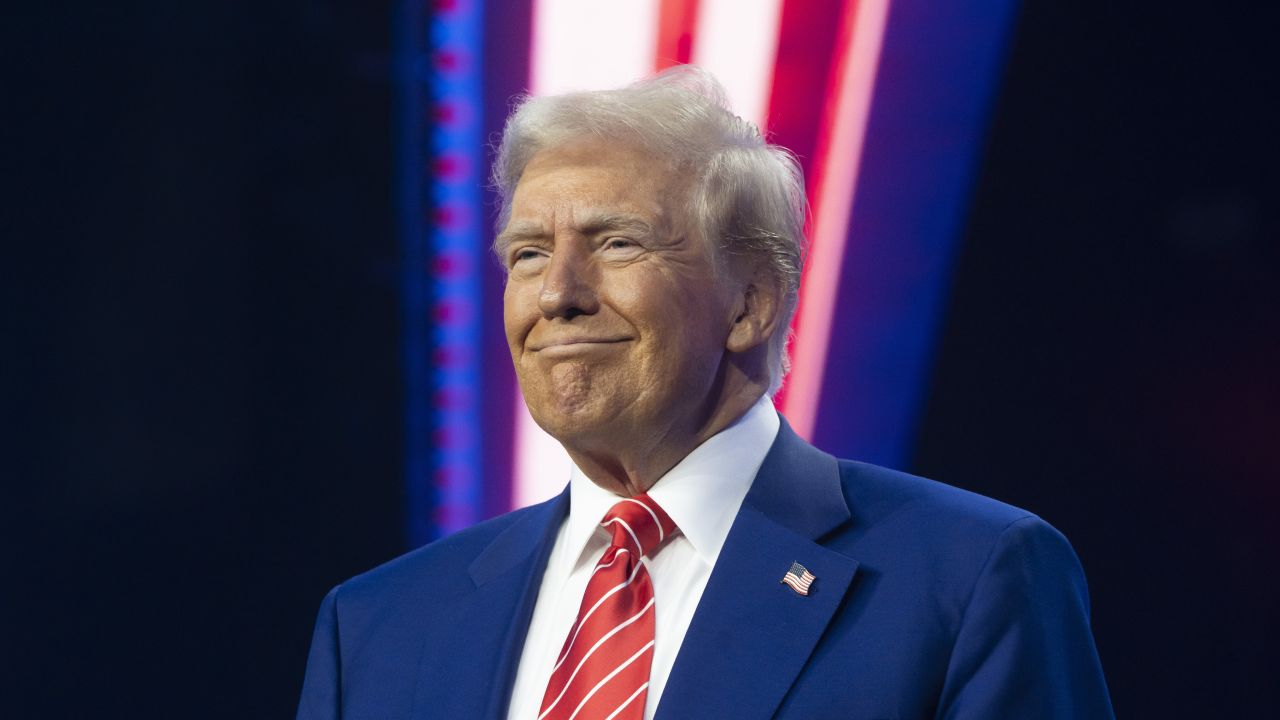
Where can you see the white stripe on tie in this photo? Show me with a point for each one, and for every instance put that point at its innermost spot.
(611, 562)
(595, 647)
(607, 678)
(630, 532)
(578, 628)
(662, 535)
(627, 702)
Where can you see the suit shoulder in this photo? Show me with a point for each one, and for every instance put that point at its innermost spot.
(879, 491)
(917, 511)
(915, 528)
(436, 566)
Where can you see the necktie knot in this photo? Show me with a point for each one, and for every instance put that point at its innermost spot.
(638, 524)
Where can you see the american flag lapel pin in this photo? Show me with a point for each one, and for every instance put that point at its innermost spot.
(798, 578)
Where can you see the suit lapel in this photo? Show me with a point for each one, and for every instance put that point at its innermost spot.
(486, 630)
(751, 634)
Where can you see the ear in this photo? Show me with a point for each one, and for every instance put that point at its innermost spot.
(758, 310)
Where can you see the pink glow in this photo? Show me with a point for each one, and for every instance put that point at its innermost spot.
(839, 158)
(737, 41)
(576, 47)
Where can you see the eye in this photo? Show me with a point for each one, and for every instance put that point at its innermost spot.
(525, 256)
(619, 243)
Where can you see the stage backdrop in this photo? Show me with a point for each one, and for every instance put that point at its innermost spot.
(252, 337)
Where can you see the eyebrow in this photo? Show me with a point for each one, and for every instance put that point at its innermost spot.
(597, 223)
(593, 223)
(516, 232)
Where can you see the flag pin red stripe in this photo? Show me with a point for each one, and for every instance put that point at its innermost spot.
(798, 578)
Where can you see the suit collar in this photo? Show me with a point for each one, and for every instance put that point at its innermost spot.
(704, 491)
(535, 530)
(798, 487)
(752, 635)
(485, 630)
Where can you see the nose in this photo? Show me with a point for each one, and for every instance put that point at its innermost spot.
(568, 286)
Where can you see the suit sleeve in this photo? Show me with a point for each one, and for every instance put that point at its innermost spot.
(1024, 648)
(321, 695)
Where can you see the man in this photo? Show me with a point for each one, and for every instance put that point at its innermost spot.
(704, 561)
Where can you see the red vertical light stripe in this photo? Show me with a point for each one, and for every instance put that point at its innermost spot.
(810, 128)
(801, 77)
(808, 58)
(677, 26)
(837, 160)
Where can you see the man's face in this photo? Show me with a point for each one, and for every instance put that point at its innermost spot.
(616, 314)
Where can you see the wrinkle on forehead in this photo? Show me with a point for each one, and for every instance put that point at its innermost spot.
(587, 221)
(593, 187)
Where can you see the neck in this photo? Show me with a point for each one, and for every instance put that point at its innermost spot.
(630, 467)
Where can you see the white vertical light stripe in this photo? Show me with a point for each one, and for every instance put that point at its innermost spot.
(841, 160)
(591, 44)
(576, 45)
(737, 40)
(542, 466)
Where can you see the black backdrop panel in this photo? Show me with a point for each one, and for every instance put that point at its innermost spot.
(1109, 358)
(203, 370)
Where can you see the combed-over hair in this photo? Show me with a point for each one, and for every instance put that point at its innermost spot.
(746, 195)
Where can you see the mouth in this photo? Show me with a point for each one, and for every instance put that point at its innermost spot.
(574, 344)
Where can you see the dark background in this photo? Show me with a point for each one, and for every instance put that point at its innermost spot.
(207, 386)
(1110, 355)
(201, 381)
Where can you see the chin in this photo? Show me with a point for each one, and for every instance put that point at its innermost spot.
(566, 421)
(569, 397)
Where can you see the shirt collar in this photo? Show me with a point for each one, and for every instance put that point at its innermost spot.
(702, 493)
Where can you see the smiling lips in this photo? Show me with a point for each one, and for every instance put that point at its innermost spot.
(574, 344)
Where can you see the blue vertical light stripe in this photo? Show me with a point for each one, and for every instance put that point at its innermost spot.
(458, 251)
(939, 73)
(440, 175)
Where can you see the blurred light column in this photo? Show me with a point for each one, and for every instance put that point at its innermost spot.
(838, 162)
(440, 175)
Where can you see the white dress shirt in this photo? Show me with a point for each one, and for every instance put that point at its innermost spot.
(702, 494)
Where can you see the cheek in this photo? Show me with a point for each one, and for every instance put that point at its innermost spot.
(680, 313)
(699, 328)
(625, 293)
(519, 312)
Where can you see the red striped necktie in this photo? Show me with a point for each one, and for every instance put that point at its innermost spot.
(602, 673)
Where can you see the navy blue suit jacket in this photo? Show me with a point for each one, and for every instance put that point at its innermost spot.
(929, 602)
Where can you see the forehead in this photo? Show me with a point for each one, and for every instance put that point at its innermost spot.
(596, 174)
